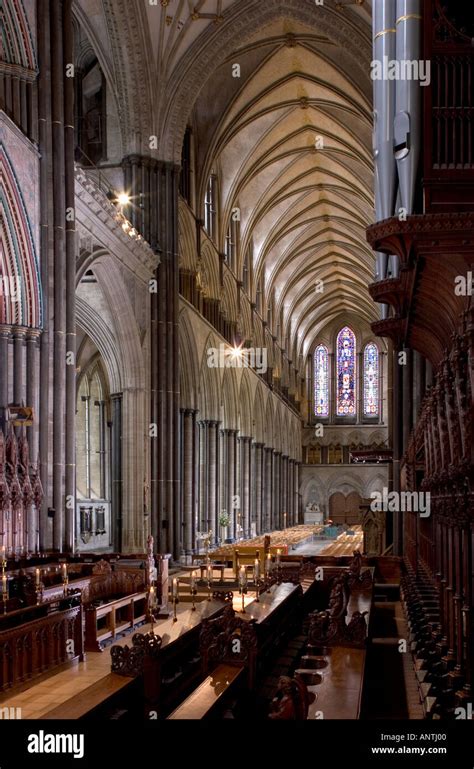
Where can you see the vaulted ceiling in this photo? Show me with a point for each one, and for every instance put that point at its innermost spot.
(290, 138)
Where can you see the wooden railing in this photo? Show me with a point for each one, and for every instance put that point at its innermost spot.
(34, 647)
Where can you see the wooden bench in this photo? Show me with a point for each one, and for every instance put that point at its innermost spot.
(209, 695)
(119, 614)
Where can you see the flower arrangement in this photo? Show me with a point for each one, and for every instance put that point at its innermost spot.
(224, 519)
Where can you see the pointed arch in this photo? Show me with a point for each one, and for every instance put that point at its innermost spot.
(321, 381)
(258, 415)
(245, 406)
(230, 399)
(16, 42)
(189, 365)
(209, 384)
(346, 397)
(21, 302)
(371, 380)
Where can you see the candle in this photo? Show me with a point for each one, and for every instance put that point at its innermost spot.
(193, 580)
(4, 581)
(256, 569)
(175, 588)
(242, 576)
(4, 552)
(64, 567)
(209, 572)
(284, 520)
(268, 563)
(278, 556)
(37, 573)
(152, 597)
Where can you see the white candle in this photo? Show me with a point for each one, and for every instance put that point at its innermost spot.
(175, 588)
(209, 572)
(151, 597)
(64, 570)
(256, 569)
(193, 580)
(37, 573)
(268, 563)
(242, 576)
(4, 581)
(278, 555)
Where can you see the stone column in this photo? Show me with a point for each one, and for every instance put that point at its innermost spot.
(245, 483)
(297, 493)
(18, 367)
(189, 416)
(258, 485)
(268, 489)
(204, 521)
(407, 374)
(116, 472)
(276, 521)
(32, 389)
(133, 463)
(162, 228)
(231, 480)
(284, 490)
(4, 337)
(213, 477)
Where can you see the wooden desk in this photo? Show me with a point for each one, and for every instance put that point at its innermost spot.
(339, 694)
(208, 694)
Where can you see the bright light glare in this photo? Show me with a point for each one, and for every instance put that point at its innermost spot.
(123, 199)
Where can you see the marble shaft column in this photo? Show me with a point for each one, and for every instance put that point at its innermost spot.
(70, 281)
(397, 437)
(407, 375)
(165, 452)
(245, 483)
(297, 493)
(116, 471)
(46, 241)
(276, 519)
(284, 489)
(189, 416)
(18, 367)
(268, 489)
(258, 486)
(213, 478)
(4, 339)
(204, 522)
(289, 493)
(32, 389)
(231, 480)
(59, 221)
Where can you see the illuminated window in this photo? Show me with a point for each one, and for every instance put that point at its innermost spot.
(371, 380)
(321, 381)
(346, 373)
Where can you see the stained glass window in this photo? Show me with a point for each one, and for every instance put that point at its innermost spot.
(371, 380)
(321, 381)
(346, 373)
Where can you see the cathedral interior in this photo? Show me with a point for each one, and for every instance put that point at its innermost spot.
(236, 359)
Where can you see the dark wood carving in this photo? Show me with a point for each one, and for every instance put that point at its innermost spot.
(229, 639)
(130, 660)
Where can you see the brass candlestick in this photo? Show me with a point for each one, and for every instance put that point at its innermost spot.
(4, 599)
(65, 584)
(175, 604)
(193, 597)
(39, 593)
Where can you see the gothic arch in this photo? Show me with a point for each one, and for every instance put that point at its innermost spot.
(258, 415)
(245, 406)
(16, 43)
(189, 367)
(209, 384)
(230, 399)
(18, 258)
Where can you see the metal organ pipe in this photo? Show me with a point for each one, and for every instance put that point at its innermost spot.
(407, 123)
(384, 14)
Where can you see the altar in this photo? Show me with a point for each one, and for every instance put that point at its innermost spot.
(313, 514)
